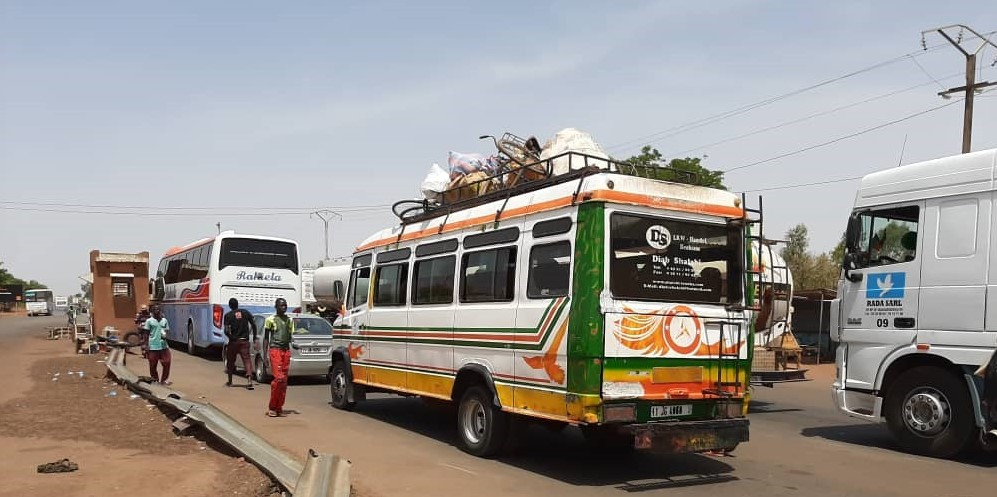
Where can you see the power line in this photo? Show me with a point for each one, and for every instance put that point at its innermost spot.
(741, 110)
(926, 73)
(682, 128)
(805, 118)
(306, 210)
(802, 185)
(147, 213)
(841, 138)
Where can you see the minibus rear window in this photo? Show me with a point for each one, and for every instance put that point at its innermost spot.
(669, 260)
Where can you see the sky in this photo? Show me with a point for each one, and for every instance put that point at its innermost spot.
(138, 126)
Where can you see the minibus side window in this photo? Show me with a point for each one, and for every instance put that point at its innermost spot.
(434, 280)
(550, 271)
(392, 280)
(359, 284)
(488, 275)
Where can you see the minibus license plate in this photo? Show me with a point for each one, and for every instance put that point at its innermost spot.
(671, 411)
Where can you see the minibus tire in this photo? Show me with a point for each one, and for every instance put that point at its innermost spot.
(936, 385)
(341, 387)
(482, 427)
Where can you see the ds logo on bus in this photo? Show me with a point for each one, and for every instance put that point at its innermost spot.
(658, 237)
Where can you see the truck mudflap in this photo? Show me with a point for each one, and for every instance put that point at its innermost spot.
(771, 377)
(689, 436)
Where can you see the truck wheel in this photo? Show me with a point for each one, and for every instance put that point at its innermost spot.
(481, 426)
(341, 387)
(929, 412)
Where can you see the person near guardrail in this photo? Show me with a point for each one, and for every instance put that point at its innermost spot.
(279, 327)
(238, 324)
(158, 350)
(140, 319)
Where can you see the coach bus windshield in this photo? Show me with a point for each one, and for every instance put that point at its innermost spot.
(253, 252)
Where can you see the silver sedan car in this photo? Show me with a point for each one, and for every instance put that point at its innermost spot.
(311, 347)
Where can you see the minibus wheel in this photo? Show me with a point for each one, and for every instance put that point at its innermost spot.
(340, 387)
(481, 425)
(929, 412)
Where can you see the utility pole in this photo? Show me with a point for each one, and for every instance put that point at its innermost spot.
(219, 226)
(326, 215)
(971, 84)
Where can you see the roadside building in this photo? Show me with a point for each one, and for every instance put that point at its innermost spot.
(120, 287)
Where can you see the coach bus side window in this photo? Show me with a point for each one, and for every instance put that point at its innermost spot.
(173, 269)
(550, 271)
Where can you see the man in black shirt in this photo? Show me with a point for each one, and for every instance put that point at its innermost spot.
(238, 323)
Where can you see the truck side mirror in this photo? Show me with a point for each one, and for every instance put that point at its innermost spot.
(848, 265)
(853, 233)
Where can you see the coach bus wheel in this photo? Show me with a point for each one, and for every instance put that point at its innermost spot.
(929, 412)
(191, 348)
(340, 387)
(481, 426)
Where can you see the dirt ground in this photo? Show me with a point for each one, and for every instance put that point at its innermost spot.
(59, 405)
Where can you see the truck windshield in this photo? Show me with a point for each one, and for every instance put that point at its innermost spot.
(668, 260)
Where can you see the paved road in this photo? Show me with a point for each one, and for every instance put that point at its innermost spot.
(800, 445)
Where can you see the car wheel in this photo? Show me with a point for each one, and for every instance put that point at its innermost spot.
(482, 427)
(929, 412)
(260, 370)
(341, 387)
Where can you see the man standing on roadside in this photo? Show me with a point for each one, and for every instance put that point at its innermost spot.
(238, 323)
(279, 328)
(159, 350)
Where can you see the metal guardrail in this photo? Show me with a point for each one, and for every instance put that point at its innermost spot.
(323, 475)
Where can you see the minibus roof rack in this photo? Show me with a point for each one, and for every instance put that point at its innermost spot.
(509, 181)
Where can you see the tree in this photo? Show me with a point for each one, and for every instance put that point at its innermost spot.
(6, 278)
(651, 164)
(810, 271)
(87, 290)
(838, 254)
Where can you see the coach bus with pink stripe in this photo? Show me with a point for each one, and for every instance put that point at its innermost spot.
(194, 283)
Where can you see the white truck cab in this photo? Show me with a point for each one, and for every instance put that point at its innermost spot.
(916, 312)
